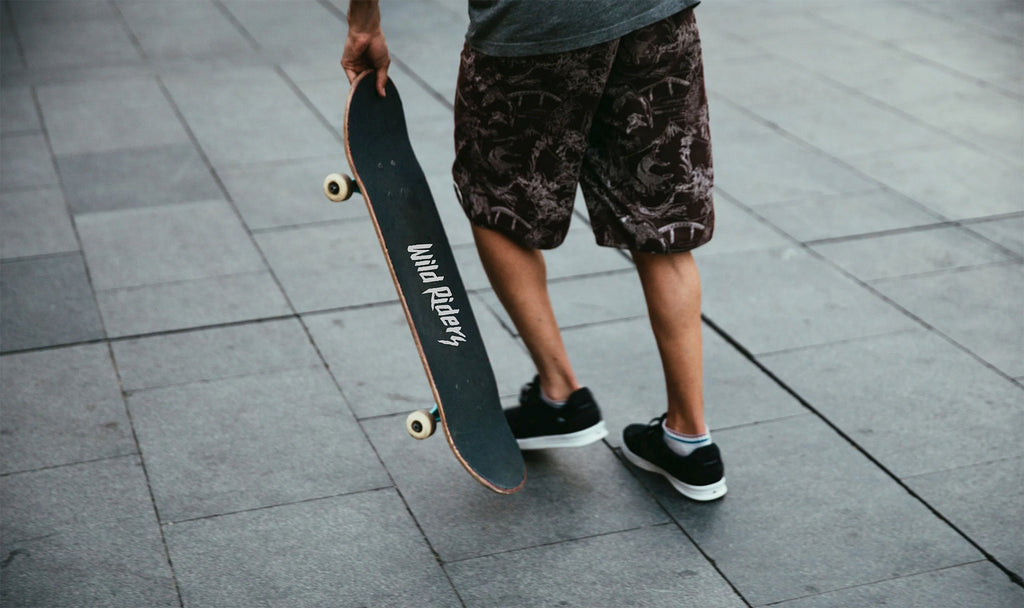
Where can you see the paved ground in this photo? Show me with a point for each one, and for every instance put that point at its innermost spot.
(205, 369)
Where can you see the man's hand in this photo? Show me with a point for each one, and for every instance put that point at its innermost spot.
(365, 48)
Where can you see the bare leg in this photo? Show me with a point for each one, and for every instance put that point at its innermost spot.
(519, 277)
(671, 286)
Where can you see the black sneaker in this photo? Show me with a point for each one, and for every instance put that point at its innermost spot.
(537, 425)
(700, 476)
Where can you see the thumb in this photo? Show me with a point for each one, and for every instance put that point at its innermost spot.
(382, 80)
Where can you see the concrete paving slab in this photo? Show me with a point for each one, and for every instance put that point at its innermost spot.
(950, 302)
(29, 12)
(974, 185)
(72, 43)
(249, 115)
(985, 502)
(289, 194)
(569, 494)
(736, 230)
(619, 362)
(371, 353)
(753, 79)
(192, 30)
(249, 442)
(428, 41)
(785, 298)
(980, 584)
(137, 177)
(18, 112)
(91, 117)
(35, 222)
(823, 121)
(913, 252)
(276, 26)
(836, 520)
(46, 425)
(652, 567)
(587, 300)
(759, 167)
(1006, 232)
(847, 215)
(26, 161)
(47, 301)
(83, 535)
(222, 352)
(358, 550)
(187, 241)
(909, 421)
(135, 311)
(329, 266)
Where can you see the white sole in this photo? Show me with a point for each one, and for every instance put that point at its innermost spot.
(701, 493)
(570, 440)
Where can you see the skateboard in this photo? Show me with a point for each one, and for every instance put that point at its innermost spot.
(394, 188)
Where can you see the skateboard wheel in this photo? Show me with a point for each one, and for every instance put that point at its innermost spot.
(421, 424)
(339, 187)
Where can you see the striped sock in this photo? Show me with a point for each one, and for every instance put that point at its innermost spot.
(682, 444)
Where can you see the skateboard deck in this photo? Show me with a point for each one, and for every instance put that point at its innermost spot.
(429, 286)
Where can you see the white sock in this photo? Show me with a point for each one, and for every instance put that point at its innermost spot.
(550, 401)
(683, 444)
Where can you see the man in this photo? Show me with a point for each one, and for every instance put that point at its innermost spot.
(608, 95)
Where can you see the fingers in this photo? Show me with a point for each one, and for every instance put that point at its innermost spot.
(382, 81)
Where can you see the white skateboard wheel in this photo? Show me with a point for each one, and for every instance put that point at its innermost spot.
(339, 187)
(421, 424)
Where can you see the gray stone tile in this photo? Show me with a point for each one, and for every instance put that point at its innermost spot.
(980, 584)
(182, 242)
(852, 214)
(29, 12)
(823, 120)
(92, 117)
(738, 230)
(589, 299)
(139, 177)
(249, 115)
(784, 298)
(248, 442)
(752, 78)
(289, 194)
(66, 43)
(208, 354)
(359, 550)
(46, 423)
(952, 179)
(759, 167)
(985, 502)
(18, 110)
(278, 26)
(135, 311)
(371, 353)
(619, 362)
(836, 520)
(35, 222)
(26, 161)
(329, 266)
(192, 30)
(83, 535)
(897, 395)
(908, 253)
(569, 494)
(1007, 232)
(951, 303)
(47, 301)
(648, 567)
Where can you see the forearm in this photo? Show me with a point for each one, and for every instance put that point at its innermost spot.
(364, 17)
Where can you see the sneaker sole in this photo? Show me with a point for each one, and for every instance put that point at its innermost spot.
(701, 493)
(569, 440)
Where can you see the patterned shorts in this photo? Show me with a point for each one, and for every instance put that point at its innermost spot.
(627, 120)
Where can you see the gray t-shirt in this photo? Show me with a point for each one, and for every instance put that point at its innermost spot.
(534, 27)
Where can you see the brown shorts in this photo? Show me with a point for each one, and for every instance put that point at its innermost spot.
(627, 120)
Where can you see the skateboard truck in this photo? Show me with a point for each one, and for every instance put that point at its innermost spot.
(422, 423)
(339, 187)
